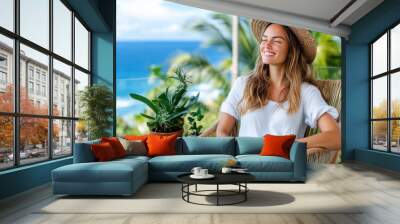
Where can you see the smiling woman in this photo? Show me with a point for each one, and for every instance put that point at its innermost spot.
(280, 96)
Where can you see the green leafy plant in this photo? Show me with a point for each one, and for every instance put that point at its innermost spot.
(97, 105)
(170, 106)
(194, 118)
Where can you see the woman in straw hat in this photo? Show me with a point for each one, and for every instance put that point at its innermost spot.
(279, 96)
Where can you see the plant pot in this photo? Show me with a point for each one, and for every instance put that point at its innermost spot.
(179, 133)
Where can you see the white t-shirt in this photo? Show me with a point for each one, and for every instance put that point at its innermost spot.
(273, 118)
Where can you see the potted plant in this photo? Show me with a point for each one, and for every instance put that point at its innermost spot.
(170, 107)
(97, 104)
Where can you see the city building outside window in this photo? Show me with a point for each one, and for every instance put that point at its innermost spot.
(56, 135)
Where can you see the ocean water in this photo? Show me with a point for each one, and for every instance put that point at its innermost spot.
(134, 59)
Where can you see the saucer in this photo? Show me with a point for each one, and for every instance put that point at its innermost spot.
(208, 176)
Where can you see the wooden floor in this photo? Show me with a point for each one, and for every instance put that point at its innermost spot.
(378, 188)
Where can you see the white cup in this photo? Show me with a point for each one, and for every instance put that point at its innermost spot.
(226, 170)
(196, 171)
(203, 172)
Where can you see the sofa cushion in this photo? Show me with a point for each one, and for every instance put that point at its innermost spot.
(116, 145)
(277, 145)
(142, 138)
(257, 163)
(161, 144)
(132, 159)
(185, 163)
(134, 147)
(206, 145)
(83, 152)
(111, 171)
(249, 145)
(103, 152)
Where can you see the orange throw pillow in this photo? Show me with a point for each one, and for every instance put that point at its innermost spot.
(103, 152)
(161, 145)
(116, 145)
(275, 145)
(136, 138)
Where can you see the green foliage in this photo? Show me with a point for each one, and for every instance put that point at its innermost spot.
(328, 62)
(194, 118)
(218, 32)
(169, 107)
(97, 109)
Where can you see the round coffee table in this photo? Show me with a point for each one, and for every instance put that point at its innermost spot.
(238, 179)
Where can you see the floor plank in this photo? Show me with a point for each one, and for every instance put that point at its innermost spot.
(377, 189)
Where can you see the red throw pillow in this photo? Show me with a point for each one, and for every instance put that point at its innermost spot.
(103, 151)
(161, 145)
(275, 145)
(116, 145)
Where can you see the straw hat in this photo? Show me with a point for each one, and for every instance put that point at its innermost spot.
(309, 48)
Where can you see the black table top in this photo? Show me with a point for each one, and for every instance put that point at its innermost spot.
(220, 178)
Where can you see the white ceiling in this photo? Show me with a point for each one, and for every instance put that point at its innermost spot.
(328, 16)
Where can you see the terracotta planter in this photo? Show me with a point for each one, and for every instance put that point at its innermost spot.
(179, 133)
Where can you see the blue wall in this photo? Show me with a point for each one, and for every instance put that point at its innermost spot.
(103, 64)
(99, 16)
(24, 178)
(356, 83)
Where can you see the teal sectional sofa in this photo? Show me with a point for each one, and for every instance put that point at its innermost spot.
(125, 176)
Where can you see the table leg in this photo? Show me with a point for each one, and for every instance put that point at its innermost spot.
(182, 190)
(188, 190)
(217, 194)
(245, 193)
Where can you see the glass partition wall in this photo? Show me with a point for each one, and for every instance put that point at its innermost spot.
(44, 64)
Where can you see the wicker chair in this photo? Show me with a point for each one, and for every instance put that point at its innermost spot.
(331, 92)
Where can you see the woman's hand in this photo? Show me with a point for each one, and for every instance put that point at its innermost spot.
(329, 138)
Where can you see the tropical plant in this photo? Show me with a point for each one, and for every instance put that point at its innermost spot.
(169, 107)
(194, 118)
(97, 105)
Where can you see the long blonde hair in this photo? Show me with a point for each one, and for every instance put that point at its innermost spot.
(297, 70)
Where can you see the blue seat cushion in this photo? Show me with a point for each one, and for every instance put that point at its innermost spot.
(257, 163)
(131, 158)
(206, 145)
(249, 145)
(185, 163)
(111, 171)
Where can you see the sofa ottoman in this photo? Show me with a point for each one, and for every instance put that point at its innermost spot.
(119, 177)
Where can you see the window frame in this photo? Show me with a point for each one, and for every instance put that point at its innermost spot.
(388, 74)
(16, 114)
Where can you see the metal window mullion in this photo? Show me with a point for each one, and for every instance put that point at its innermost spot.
(114, 70)
(73, 82)
(50, 81)
(371, 99)
(16, 84)
(389, 102)
(89, 54)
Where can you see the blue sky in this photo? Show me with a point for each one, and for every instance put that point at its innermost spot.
(155, 20)
(139, 20)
